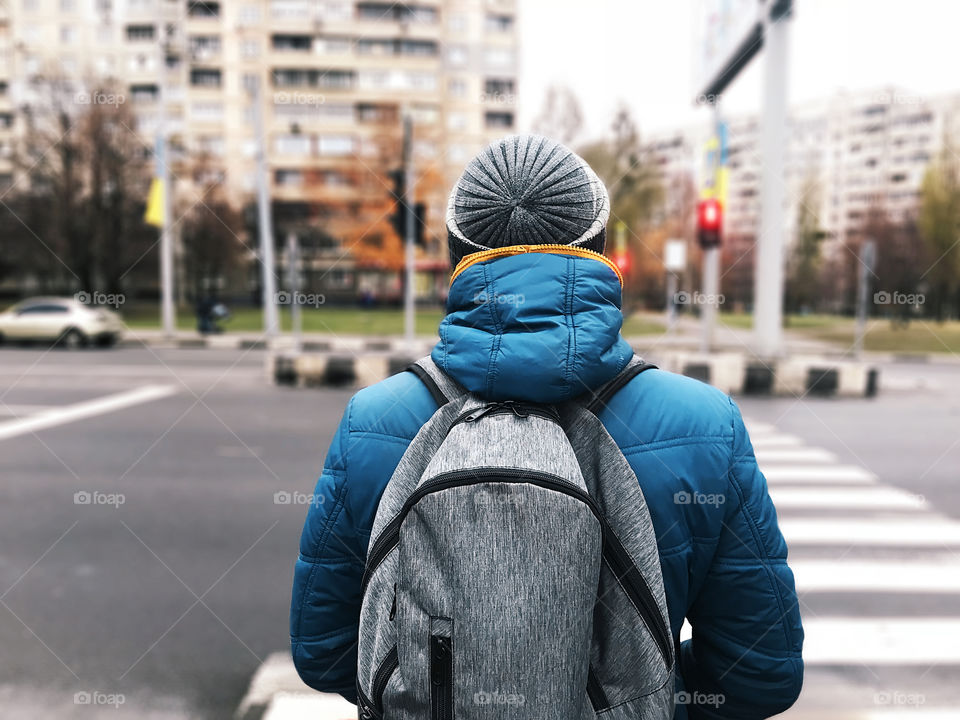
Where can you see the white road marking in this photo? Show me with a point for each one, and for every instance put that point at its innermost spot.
(883, 576)
(82, 410)
(794, 455)
(870, 497)
(838, 474)
(905, 532)
(881, 641)
(779, 440)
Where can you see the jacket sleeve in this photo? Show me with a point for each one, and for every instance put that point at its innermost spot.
(744, 659)
(325, 607)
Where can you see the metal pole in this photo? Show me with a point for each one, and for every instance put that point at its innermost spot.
(409, 316)
(867, 257)
(769, 270)
(267, 268)
(671, 301)
(708, 300)
(293, 279)
(711, 255)
(167, 311)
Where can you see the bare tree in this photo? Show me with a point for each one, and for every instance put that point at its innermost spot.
(560, 117)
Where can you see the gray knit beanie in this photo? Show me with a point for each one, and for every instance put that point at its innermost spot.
(526, 190)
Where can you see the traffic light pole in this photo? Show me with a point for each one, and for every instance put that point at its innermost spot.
(711, 257)
(409, 317)
(769, 270)
(267, 267)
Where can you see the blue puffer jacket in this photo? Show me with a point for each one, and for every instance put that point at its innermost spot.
(542, 327)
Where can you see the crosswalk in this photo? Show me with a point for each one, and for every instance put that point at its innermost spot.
(878, 577)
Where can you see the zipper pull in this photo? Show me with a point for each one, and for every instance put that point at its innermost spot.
(516, 409)
(393, 607)
(441, 653)
(480, 412)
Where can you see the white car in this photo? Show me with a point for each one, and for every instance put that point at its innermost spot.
(67, 321)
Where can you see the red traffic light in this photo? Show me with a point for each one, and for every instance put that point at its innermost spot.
(709, 215)
(709, 222)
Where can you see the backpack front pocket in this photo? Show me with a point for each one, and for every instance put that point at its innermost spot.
(441, 668)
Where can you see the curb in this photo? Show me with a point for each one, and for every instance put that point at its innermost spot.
(796, 376)
(276, 692)
(733, 373)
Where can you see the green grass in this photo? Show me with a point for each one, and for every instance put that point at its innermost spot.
(337, 320)
(920, 336)
(744, 321)
(340, 321)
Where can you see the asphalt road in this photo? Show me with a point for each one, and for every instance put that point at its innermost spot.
(167, 583)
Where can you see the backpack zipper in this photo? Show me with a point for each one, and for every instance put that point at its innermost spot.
(520, 409)
(372, 708)
(615, 555)
(441, 678)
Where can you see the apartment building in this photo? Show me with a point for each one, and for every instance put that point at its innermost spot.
(856, 150)
(333, 80)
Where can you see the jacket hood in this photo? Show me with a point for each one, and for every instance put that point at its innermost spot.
(534, 323)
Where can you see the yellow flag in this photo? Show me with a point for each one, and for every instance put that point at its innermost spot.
(154, 213)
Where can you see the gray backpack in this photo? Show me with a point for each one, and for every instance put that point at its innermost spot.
(513, 570)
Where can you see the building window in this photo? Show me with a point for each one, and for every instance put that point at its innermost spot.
(140, 33)
(457, 22)
(376, 113)
(292, 144)
(499, 87)
(298, 43)
(249, 15)
(499, 120)
(332, 79)
(395, 12)
(201, 9)
(288, 178)
(335, 145)
(205, 77)
(202, 46)
(290, 9)
(6, 120)
(250, 49)
(499, 57)
(144, 93)
(499, 23)
(68, 33)
(456, 87)
(456, 121)
(334, 45)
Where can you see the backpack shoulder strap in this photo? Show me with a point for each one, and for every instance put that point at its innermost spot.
(598, 399)
(442, 387)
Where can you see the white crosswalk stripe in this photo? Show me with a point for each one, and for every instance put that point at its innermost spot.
(865, 555)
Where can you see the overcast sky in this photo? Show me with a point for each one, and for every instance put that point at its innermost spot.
(643, 53)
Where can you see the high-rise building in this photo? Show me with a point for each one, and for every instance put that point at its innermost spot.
(335, 78)
(845, 155)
